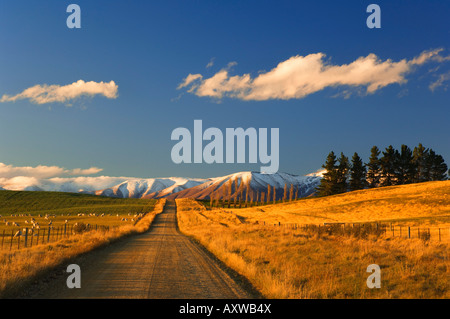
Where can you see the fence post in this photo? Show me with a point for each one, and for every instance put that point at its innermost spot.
(26, 237)
(65, 229)
(48, 235)
(12, 237)
(439, 235)
(409, 232)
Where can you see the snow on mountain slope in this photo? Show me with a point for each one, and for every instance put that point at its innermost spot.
(149, 188)
(171, 187)
(258, 183)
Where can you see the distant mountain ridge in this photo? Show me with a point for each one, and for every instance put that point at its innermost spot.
(215, 187)
(150, 188)
(176, 187)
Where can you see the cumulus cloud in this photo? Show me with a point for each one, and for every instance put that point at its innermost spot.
(300, 76)
(41, 94)
(53, 178)
(60, 184)
(41, 171)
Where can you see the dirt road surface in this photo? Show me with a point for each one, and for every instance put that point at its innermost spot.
(159, 264)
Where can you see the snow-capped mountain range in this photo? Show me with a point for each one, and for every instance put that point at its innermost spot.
(173, 187)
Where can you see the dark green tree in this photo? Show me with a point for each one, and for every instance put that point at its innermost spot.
(343, 171)
(357, 174)
(328, 184)
(420, 154)
(387, 164)
(373, 168)
(436, 166)
(405, 168)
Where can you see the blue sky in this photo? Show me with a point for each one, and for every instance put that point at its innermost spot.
(149, 47)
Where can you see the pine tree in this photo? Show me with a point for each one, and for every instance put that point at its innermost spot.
(357, 173)
(405, 169)
(343, 171)
(328, 184)
(420, 154)
(373, 168)
(436, 166)
(387, 164)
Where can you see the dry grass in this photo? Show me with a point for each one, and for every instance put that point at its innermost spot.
(287, 263)
(21, 267)
(423, 204)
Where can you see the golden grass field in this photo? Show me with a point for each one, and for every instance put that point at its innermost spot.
(423, 204)
(18, 268)
(282, 262)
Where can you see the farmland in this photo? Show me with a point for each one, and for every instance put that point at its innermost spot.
(21, 265)
(282, 261)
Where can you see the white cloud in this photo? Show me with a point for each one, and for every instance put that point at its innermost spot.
(41, 94)
(210, 63)
(440, 81)
(53, 178)
(41, 171)
(300, 76)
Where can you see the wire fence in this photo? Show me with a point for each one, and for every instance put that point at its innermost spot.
(385, 230)
(29, 237)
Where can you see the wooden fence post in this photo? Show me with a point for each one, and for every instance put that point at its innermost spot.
(26, 237)
(48, 235)
(12, 237)
(409, 232)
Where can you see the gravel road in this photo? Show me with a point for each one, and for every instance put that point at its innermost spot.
(159, 264)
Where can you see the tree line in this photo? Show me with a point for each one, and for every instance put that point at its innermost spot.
(237, 193)
(394, 167)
